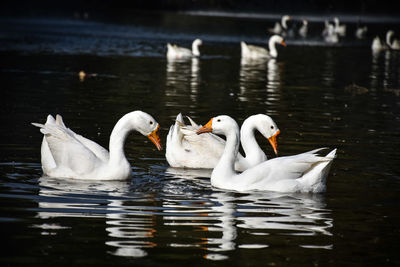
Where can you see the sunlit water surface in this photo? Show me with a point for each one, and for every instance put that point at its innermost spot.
(338, 96)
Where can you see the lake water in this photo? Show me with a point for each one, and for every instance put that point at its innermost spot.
(338, 96)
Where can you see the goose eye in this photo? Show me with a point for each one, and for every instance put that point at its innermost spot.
(272, 127)
(219, 120)
(151, 122)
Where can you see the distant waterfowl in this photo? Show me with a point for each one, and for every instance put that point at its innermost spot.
(304, 172)
(395, 44)
(377, 44)
(186, 149)
(65, 154)
(361, 32)
(177, 52)
(331, 36)
(304, 29)
(339, 29)
(256, 52)
(326, 28)
(82, 75)
(281, 27)
(392, 44)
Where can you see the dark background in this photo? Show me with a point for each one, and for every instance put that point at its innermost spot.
(45, 7)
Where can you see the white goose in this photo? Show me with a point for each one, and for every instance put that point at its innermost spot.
(377, 44)
(395, 44)
(331, 36)
(177, 52)
(66, 154)
(304, 29)
(281, 27)
(361, 32)
(304, 172)
(339, 29)
(186, 149)
(257, 52)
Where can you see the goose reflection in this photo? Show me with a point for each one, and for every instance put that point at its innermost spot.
(273, 76)
(182, 76)
(328, 69)
(385, 72)
(273, 83)
(258, 214)
(72, 198)
(251, 75)
(256, 74)
(224, 213)
(223, 217)
(130, 228)
(195, 78)
(190, 215)
(301, 214)
(375, 68)
(392, 73)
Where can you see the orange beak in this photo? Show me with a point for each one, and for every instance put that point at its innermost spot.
(155, 138)
(283, 43)
(273, 142)
(206, 128)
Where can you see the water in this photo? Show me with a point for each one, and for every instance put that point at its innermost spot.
(339, 96)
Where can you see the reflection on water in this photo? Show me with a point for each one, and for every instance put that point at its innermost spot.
(226, 215)
(130, 228)
(133, 223)
(182, 79)
(273, 75)
(385, 71)
(65, 192)
(328, 73)
(257, 75)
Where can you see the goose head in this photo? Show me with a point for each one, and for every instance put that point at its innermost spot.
(336, 20)
(219, 125)
(284, 21)
(195, 47)
(197, 42)
(148, 126)
(389, 35)
(268, 128)
(277, 39)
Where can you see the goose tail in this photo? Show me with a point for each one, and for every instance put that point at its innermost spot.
(314, 180)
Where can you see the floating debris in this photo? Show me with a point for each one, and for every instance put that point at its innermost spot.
(355, 89)
(82, 75)
(393, 91)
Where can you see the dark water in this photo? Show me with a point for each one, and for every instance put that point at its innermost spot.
(320, 95)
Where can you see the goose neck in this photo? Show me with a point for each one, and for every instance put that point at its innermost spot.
(117, 140)
(195, 49)
(248, 140)
(389, 35)
(225, 166)
(283, 22)
(272, 48)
